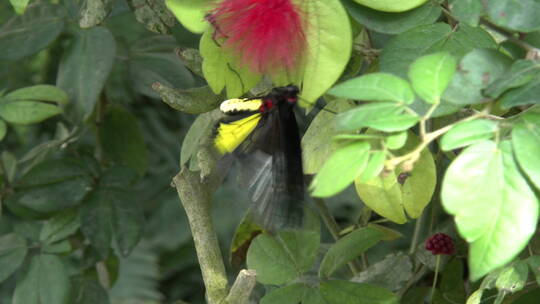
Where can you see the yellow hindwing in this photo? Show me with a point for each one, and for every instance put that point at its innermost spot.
(231, 135)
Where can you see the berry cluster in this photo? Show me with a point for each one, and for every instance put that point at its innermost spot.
(440, 243)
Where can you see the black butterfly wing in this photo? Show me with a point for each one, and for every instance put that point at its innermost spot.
(271, 169)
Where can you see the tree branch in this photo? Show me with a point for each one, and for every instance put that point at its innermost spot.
(195, 197)
(242, 287)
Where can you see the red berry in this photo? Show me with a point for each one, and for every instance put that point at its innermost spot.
(440, 243)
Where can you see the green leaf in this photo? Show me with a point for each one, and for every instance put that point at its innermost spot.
(53, 185)
(528, 298)
(246, 231)
(534, 264)
(495, 209)
(383, 116)
(190, 13)
(47, 281)
(431, 74)
(406, 47)
(198, 132)
(477, 70)
(467, 133)
(32, 32)
(3, 129)
(392, 23)
(154, 15)
(109, 212)
(9, 165)
(513, 277)
(374, 166)
(147, 68)
(192, 101)
(43, 92)
(222, 71)
(94, 12)
(398, 191)
(19, 5)
(272, 263)
(329, 40)
(452, 287)
(392, 272)
(122, 140)
(526, 142)
(58, 247)
(516, 15)
(527, 94)
(467, 11)
(89, 291)
(84, 67)
(390, 5)
(340, 169)
(348, 248)
(521, 72)
(282, 259)
(395, 141)
(60, 227)
(291, 294)
(415, 295)
(316, 147)
(13, 250)
(345, 292)
(375, 87)
(27, 112)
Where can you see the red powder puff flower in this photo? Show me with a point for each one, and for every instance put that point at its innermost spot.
(267, 35)
(440, 243)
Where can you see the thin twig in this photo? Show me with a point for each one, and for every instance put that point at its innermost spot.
(416, 234)
(242, 287)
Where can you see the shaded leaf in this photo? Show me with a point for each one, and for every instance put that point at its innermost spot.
(495, 210)
(192, 101)
(27, 112)
(521, 72)
(392, 23)
(154, 15)
(348, 248)
(30, 33)
(3, 129)
(122, 140)
(516, 15)
(527, 94)
(59, 227)
(467, 11)
(13, 250)
(392, 272)
(43, 92)
(291, 294)
(89, 291)
(47, 281)
(84, 67)
(345, 292)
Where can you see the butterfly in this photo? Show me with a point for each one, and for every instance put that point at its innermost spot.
(262, 135)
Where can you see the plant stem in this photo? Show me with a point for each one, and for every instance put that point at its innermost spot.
(333, 227)
(416, 233)
(242, 287)
(195, 198)
(437, 265)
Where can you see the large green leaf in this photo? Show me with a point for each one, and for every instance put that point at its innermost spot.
(495, 209)
(345, 292)
(375, 87)
(316, 147)
(13, 250)
(516, 15)
(467, 11)
(122, 140)
(84, 67)
(521, 72)
(392, 272)
(279, 260)
(392, 23)
(43, 92)
(190, 13)
(89, 291)
(46, 281)
(340, 169)
(477, 70)
(526, 142)
(348, 248)
(30, 33)
(383, 116)
(431, 74)
(60, 226)
(467, 133)
(398, 191)
(527, 94)
(3, 129)
(329, 41)
(27, 112)
(222, 71)
(109, 212)
(291, 294)
(406, 47)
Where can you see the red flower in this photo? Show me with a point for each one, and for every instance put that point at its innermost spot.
(267, 35)
(440, 243)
